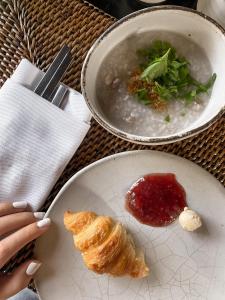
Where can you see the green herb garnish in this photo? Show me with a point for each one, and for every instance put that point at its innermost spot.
(156, 68)
(164, 76)
(142, 95)
(167, 119)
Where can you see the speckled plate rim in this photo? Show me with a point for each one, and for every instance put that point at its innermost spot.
(113, 157)
(131, 137)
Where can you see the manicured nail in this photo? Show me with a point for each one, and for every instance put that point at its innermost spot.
(20, 204)
(39, 215)
(44, 223)
(32, 268)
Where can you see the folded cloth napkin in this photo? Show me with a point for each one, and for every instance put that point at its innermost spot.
(37, 139)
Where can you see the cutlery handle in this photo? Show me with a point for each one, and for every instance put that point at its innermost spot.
(54, 73)
(59, 95)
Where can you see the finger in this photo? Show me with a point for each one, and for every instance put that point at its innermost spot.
(12, 222)
(17, 240)
(7, 208)
(12, 284)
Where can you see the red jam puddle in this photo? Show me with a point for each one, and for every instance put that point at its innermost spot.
(156, 199)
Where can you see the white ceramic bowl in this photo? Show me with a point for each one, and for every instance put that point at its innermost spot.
(201, 29)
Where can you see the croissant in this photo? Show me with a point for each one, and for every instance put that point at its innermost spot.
(105, 245)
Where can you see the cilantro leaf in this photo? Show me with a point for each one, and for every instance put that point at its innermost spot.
(203, 88)
(167, 118)
(157, 49)
(163, 91)
(142, 95)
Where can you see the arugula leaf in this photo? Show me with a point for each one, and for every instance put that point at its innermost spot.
(157, 68)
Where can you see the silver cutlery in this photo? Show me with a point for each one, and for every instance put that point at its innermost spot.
(50, 80)
(60, 95)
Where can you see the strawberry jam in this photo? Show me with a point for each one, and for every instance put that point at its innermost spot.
(156, 199)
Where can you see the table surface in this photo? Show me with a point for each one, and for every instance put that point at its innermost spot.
(121, 8)
(37, 29)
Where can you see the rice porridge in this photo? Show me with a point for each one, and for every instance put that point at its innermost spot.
(122, 109)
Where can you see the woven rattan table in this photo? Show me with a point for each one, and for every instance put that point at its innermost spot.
(36, 29)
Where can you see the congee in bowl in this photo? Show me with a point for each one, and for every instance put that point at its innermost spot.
(155, 76)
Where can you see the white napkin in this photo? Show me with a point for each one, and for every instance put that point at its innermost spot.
(37, 139)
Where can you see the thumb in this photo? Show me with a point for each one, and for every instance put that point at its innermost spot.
(18, 280)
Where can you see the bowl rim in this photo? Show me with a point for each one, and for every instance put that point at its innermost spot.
(129, 136)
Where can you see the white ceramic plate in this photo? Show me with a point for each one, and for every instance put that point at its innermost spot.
(183, 265)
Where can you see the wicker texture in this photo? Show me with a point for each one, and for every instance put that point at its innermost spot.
(36, 29)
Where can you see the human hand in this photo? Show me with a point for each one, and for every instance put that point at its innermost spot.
(26, 226)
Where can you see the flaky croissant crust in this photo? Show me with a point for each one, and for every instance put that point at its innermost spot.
(105, 245)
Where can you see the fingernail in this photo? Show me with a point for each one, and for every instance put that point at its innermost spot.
(39, 215)
(20, 204)
(43, 223)
(32, 268)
